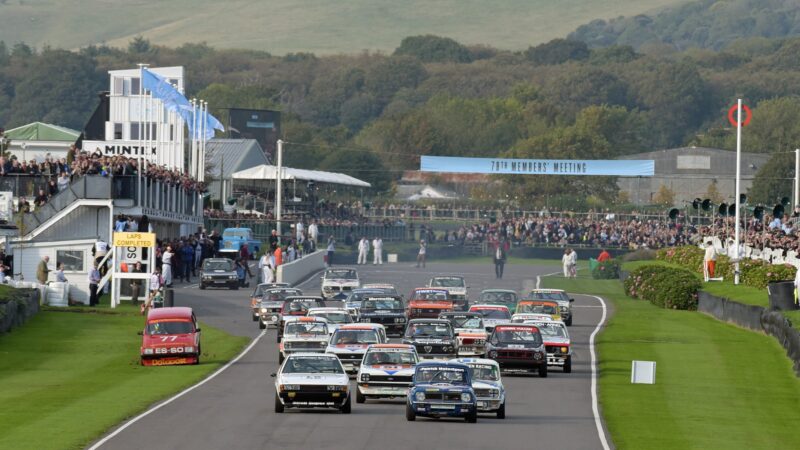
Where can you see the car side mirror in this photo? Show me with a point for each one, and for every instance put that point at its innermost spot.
(197, 330)
(571, 300)
(273, 375)
(140, 333)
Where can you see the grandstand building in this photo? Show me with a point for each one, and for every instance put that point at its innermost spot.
(690, 172)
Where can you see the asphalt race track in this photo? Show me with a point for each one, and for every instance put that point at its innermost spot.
(235, 409)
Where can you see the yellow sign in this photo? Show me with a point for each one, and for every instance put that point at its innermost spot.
(134, 239)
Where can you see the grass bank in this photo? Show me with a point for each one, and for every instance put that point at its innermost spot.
(67, 377)
(717, 386)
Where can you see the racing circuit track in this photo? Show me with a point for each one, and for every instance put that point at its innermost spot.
(234, 410)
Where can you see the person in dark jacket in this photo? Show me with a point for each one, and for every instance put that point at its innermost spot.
(499, 257)
(187, 254)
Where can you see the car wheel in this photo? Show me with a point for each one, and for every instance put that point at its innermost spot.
(280, 358)
(278, 338)
(543, 371)
(262, 325)
(568, 322)
(471, 417)
(202, 286)
(278, 405)
(410, 414)
(501, 413)
(568, 365)
(360, 398)
(255, 317)
(345, 409)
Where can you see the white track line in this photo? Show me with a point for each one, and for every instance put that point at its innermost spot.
(595, 409)
(539, 278)
(178, 395)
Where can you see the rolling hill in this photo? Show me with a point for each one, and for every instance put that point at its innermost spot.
(319, 26)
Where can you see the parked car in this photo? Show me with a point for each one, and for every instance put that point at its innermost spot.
(442, 389)
(312, 380)
(233, 239)
(218, 272)
(170, 337)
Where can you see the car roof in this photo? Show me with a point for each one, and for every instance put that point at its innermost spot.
(442, 321)
(548, 291)
(538, 302)
(216, 259)
(515, 325)
(459, 314)
(328, 309)
(236, 229)
(302, 297)
(175, 312)
(287, 319)
(312, 354)
(339, 269)
(430, 288)
(494, 307)
(442, 363)
(447, 277)
(361, 326)
(400, 346)
(276, 285)
(377, 285)
(505, 291)
(485, 361)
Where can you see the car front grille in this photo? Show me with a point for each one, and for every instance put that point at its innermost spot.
(515, 354)
(351, 357)
(483, 393)
(393, 378)
(443, 396)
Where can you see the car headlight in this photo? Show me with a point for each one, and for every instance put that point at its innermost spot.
(274, 318)
(206, 277)
(287, 345)
(323, 344)
(188, 349)
(365, 377)
(327, 288)
(492, 354)
(264, 310)
(495, 393)
(465, 397)
(419, 396)
(232, 277)
(148, 351)
(365, 319)
(399, 320)
(290, 387)
(448, 348)
(537, 355)
(564, 349)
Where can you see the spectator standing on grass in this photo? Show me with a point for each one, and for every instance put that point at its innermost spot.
(42, 270)
(94, 280)
(710, 258)
(573, 263)
(166, 264)
(565, 261)
(604, 256)
(363, 250)
(422, 254)
(377, 249)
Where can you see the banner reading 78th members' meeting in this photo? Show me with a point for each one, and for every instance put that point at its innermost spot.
(617, 167)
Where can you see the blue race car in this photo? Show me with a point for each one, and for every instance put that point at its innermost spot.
(442, 389)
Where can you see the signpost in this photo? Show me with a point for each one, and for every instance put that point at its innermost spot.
(129, 248)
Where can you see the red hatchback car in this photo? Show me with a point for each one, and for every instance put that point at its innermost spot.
(170, 337)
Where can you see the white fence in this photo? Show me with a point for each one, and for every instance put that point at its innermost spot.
(300, 269)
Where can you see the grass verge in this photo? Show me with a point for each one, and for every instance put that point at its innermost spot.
(717, 386)
(67, 378)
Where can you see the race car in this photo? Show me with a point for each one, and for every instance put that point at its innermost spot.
(505, 297)
(258, 294)
(350, 342)
(353, 300)
(303, 334)
(337, 283)
(442, 389)
(493, 315)
(519, 348)
(170, 337)
(433, 338)
(271, 304)
(428, 303)
(312, 380)
(524, 317)
(218, 272)
(559, 296)
(386, 371)
(470, 332)
(456, 287)
(556, 342)
(384, 309)
(296, 306)
(386, 288)
(539, 307)
(487, 384)
(335, 317)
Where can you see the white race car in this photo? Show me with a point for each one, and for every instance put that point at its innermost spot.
(337, 283)
(335, 317)
(556, 342)
(303, 334)
(470, 332)
(312, 380)
(456, 286)
(522, 317)
(350, 342)
(493, 315)
(488, 385)
(386, 371)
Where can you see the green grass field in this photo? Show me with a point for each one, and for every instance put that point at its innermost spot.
(717, 386)
(323, 27)
(67, 377)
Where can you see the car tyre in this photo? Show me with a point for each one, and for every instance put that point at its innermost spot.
(278, 405)
(360, 398)
(410, 414)
(346, 407)
(234, 288)
(255, 317)
(543, 371)
(280, 358)
(202, 287)
(278, 338)
(471, 417)
(262, 325)
(568, 365)
(568, 322)
(501, 413)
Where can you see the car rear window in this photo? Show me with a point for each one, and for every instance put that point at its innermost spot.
(167, 327)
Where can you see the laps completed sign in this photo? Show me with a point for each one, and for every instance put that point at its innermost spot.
(134, 239)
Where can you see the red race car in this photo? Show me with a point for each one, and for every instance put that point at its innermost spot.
(170, 337)
(428, 303)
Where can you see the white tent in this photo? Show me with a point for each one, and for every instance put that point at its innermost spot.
(267, 172)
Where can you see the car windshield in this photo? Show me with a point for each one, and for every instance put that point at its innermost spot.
(382, 303)
(280, 293)
(315, 328)
(537, 309)
(440, 374)
(485, 372)
(334, 316)
(376, 357)
(497, 314)
(428, 330)
(430, 295)
(498, 297)
(166, 327)
(551, 329)
(383, 289)
(466, 322)
(218, 265)
(301, 305)
(235, 233)
(447, 282)
(341, 274)
(548, 296)
(351, 337)
(312, 364)
(520, 335)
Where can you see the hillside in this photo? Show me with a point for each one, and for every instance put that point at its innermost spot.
(319, 26)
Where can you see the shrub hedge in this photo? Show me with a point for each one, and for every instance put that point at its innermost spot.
(606, 270)
(754, 272)
(667, 287)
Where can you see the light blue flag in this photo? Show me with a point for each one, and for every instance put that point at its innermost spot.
(175, 102)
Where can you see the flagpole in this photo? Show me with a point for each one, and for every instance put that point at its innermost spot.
(204, 138)
(139, 137)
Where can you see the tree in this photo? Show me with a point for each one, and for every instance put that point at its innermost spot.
(387, 77)
(665, 196)
(139, 45)
(362, 164)
(773, 180)
(430, 48)
(557, 51)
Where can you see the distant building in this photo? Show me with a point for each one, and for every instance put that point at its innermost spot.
(224, 157)
(689, 172)
(36, 140)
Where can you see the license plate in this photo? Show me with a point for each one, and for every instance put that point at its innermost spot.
(443, 407)
(170, 361)
(466, 349)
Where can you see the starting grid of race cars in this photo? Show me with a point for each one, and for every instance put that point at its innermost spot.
(449, 361)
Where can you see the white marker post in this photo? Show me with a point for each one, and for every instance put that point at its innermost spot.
(279, 189)
(796, 178)
(738, 185)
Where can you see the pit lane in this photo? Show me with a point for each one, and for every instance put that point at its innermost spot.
(235, 409)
